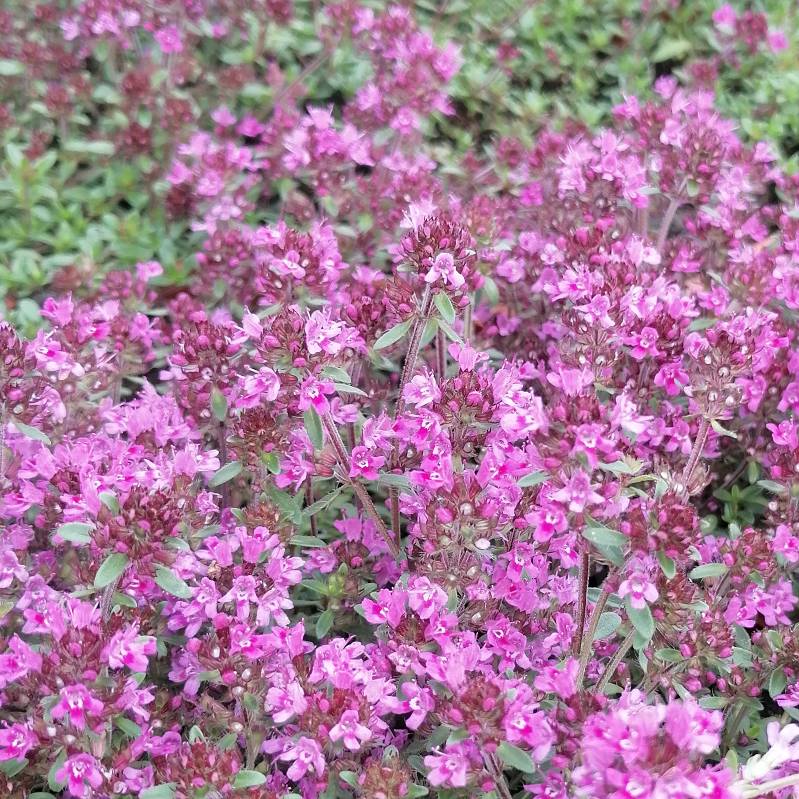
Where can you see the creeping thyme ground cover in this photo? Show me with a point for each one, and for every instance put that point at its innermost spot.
(399, 400)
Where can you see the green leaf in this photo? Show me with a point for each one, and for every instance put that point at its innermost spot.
(337, 374)
(9, 68)
(13, 767)
(608, 624)
(247, 778)
(721, 430)
(532, 479)
(669, 655)
(313, 426)
(307, 541)
(708, 570)
(75, 532)
(641, 619)
(393, 335)
(445, 306)
(171, 583)
(415, 791)
(109, 499)
(350, 777)
(218, 404)
(671, 50)
(324, 623)
(772, 486)
(346, 388)
(513, 757)
(130, 728)
(111, 568)
(82, 146)
(605, 536)
(776, 683)
(322, 503)
(52, 782)
(31, 432)
(163, 791)
(667, 565)
(227, 472)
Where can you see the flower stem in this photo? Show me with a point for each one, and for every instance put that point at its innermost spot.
(696, 453)
(588, 639)
(668, 218)
(582, 601)
(490, 760)
(343, 458)
(617, 658)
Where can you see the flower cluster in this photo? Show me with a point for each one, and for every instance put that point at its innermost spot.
(414, 478)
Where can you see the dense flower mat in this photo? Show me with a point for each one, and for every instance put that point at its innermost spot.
(363, 437)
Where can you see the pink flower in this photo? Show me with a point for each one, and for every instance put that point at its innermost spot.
(314, 393)
(422, 390)
(16, 741)
(425, 598)
(448, 769)
(263, 385)
(169, 40)
(350, 731)
(306, 756)
(82, 775)
(128, 649)
(364, 464)
(76, 702)
(640, 589)
(578, 493)
(443, 269)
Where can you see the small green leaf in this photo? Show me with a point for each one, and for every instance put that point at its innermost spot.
(307, 541)
(75, 532)
(608, 624)
(324, 623)
(130, 728)
(247, 778)
(667, 565)
(92, 147)
(671, 50)
(111, 568)
(13, 767)
(31, 432)
(777, 683)
(415, 791)
(721, 430)
(218, 404)
(641, 619)
(708, 570)
(350, 777)
(52, 782)
(10, 68)
(227, 472)
(171, 583)
(605, 536)
(513, 757)
(669, 655)
(346, 388)
(313, 426)
(109, 499)
(337, 374)
(532, 479)
(445, 307)
(163, 791)
(393, 335)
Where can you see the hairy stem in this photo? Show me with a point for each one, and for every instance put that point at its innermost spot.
(343, 458)
(617, 658)
(696, 453)
(588, 639)
(493, 768)
(582, 601)
(770, 787)
(668, 218)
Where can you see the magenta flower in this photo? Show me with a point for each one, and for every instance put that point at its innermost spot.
(314, 393)
(449, 768)
(128, 649)
(350, 731)
(81, 774)
(76, 702)
(305, 756)
(16, 741)
(364, 464)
